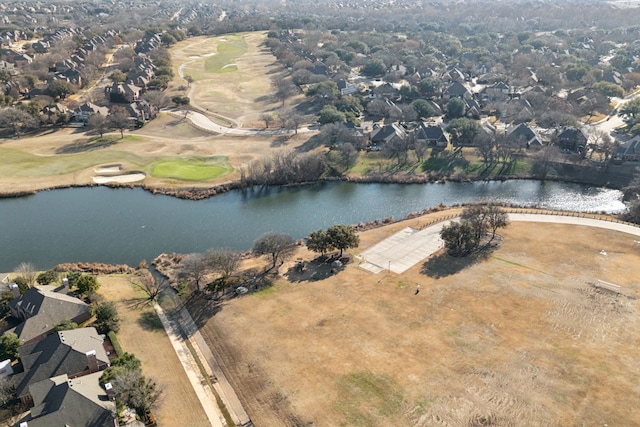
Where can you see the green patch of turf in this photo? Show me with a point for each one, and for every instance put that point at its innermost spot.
(192, 169)
(228, 51)
(368, 399)
(17, 163)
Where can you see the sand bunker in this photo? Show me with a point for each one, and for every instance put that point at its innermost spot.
(108, 169)
(131, 177)
(228, 65)
(194, 57)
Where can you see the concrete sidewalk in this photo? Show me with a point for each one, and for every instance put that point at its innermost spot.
(204, 393)
(213, 370)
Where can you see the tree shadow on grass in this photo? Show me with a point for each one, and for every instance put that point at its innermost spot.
(83, 145)
(280, 141)
(319, 268)
(202, 309)
(149, 321)
(444, 163)
(442, 264)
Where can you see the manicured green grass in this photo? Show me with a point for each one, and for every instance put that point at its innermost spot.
(192, 169)
(228, 52)
(20, 164)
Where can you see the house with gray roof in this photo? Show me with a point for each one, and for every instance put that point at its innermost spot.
(41, 310)
(629, 150)
(63, 401)
(75, 353)
(432, 135)
(524, 136)
(456, 90)
(387, 133)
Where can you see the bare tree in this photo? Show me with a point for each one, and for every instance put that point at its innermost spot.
(268, 118)
(136, 391)
(118, 119)
(349, 154)
(195, 267)
(293, 121)
(148, 284)
(156, 99)
(27, 271)
(283, 89)
(276, 245)
(99, 123)
(223, 261)
(7, 391)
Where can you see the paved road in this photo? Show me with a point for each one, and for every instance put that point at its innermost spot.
(201, 121)
(408, 247)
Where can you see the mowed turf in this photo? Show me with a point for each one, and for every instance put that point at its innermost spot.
(141, 333)
(192, 169)
(520, 337)
(228, 51)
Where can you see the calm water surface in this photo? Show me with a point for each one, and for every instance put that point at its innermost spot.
(128, 225)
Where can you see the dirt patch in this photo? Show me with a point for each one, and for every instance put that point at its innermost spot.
(519, 337)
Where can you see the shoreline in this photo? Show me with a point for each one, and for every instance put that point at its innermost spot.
(202, 193)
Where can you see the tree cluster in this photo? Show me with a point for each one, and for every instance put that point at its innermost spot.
(132, 389)
(338, 237)
(465, 236)
(284, 167)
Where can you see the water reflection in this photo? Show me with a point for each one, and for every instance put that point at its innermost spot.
(128, 225)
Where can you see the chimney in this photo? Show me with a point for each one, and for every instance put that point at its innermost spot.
(15, 290)
(111, 394)
(92, 361)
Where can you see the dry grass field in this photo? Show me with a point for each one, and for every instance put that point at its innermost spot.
(517, 338)
(141, 333)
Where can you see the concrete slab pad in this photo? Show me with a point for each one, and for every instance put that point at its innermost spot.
(403, 250)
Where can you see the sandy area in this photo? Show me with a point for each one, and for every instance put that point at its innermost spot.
(132, 177)
(521, 337)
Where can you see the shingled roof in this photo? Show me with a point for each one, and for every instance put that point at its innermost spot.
(64, 352)
(78, 402)
(41, 310)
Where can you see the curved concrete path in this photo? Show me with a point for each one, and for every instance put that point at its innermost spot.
(409, 246)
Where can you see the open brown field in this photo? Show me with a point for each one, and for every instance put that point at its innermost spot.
(518, 338)
(141, 333)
